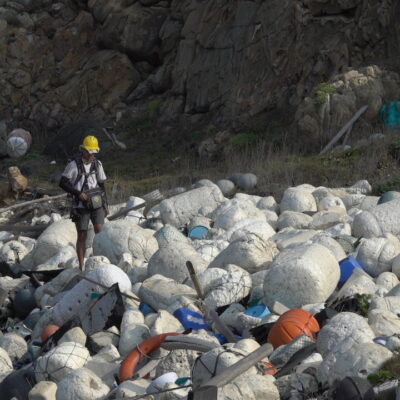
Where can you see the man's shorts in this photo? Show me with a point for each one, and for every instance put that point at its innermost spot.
(81, 217)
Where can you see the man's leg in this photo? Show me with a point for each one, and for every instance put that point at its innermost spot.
(81, 247)
(97, 218)
(81, 223)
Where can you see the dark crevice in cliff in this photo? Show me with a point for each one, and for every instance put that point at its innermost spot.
(349, 13)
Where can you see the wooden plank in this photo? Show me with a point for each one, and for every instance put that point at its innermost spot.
(195, 280)
(211, 314)
(26, 203)
(124, 211)
(23, 228)
(344, 129)
(232, 372)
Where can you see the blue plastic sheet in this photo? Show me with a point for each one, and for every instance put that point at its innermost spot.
(390, 114)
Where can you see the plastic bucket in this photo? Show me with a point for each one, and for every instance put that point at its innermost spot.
(198, 232)
(259, 311)
(161, 381)
(347, 266)
(388, 196)
(191, 319)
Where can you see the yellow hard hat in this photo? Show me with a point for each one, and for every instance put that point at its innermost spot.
(91, 144)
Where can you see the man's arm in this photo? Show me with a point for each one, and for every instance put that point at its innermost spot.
(66, 185)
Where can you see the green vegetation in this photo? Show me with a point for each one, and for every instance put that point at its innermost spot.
(389, 370)
(155, 158)
(380, 377)
(243, 139)
(387, 185)
(322, 91)
(364, 300)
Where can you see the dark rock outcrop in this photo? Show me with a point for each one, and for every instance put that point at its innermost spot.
(220, 60)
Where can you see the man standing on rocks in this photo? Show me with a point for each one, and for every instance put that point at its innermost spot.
(84, 178)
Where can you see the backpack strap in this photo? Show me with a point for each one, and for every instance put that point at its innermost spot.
(81, 170)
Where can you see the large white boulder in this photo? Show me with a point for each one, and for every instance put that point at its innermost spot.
(124, 236)
(254, 387)
(383, 323)
(15, 345)
(387, 303)
(13, 252)
(160, 292)
(358, 283)
(180, 209)
(226, 186)
(268, 203)
(250, 252)
(384, 218)
(376, 254)
(293, 219)
(250, 225)
(81, 384)
(58, 235)
(329, 202)
(171, 257)
(289, 236)
(60, 361)
(209, 249)
(165, 322)
(305, 274)
(6, 365)
(298, 199)
(133, 331)
(228, 214)
(355, 355)
(231, 287)
(78, 300)
(328, 218)
(325, 240)
(387, 280)
(342, 325)
(221, 358)
(60, 259)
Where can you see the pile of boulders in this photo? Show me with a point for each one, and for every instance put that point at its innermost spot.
(315, 275)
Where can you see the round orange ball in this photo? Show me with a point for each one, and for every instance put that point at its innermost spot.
(291, 324)
(48, 331)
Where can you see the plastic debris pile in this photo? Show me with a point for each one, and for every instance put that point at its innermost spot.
(171, 300)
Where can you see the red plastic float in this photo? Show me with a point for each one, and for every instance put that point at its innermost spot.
(48, 331)
(128, 366)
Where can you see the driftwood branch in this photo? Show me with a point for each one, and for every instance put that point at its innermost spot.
(124, 211)
(26, 203)
(23, 228)
(211, 314)
(345, 128)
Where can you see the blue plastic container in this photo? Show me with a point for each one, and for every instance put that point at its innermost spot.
(146, 309)
(198, 232)
(388, 196)
(191, 319)
(347, 266)
(259, 311)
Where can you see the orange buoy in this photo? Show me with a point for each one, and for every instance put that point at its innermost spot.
(291, 324)
(128, 366)
(269, 368)
(48, 331)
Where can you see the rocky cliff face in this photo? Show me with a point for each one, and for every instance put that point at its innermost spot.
(205, 60)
